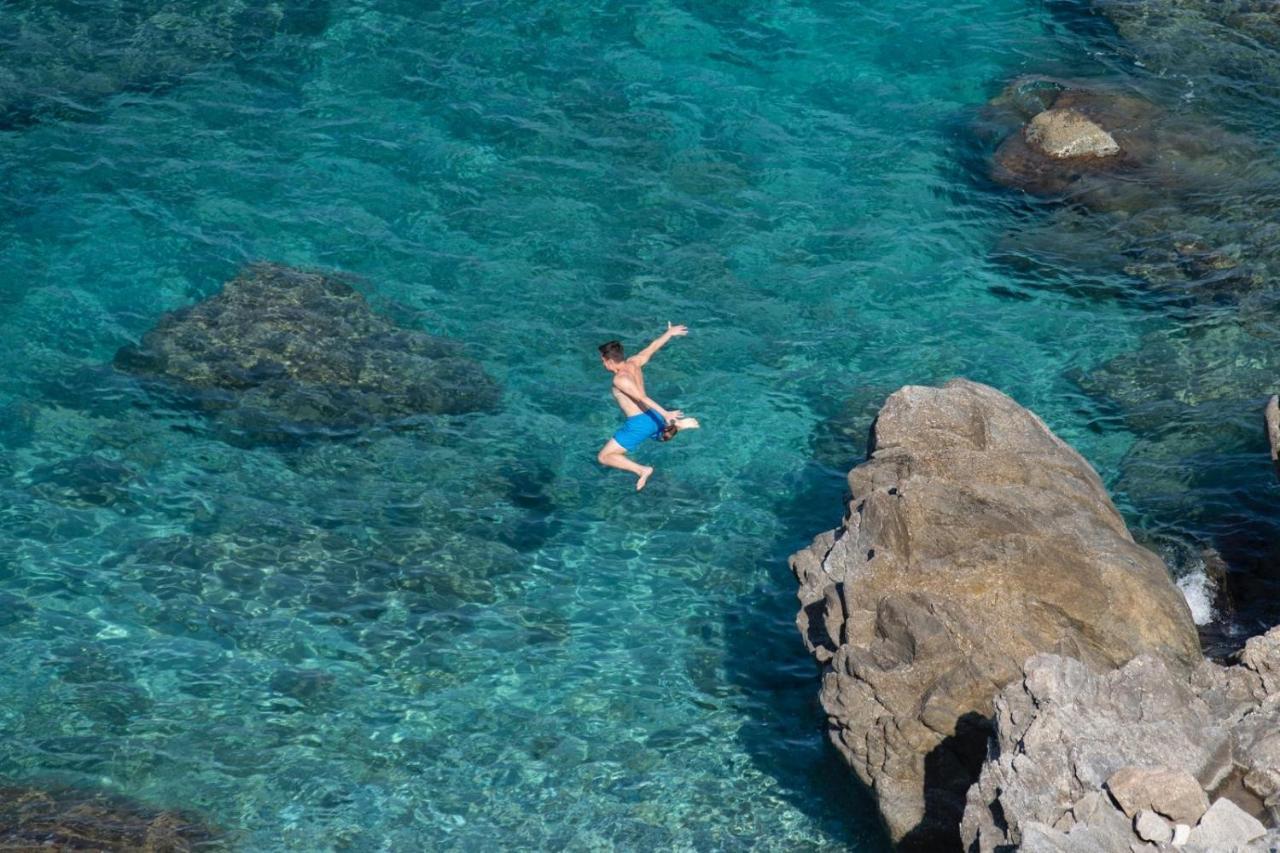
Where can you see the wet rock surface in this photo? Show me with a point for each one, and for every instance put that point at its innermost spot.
(1216, 40)
(1271, 418)
(280, 347)
(974, 539)
(1184, 203)
(104, 48)
(1089, 760)
(36, 819)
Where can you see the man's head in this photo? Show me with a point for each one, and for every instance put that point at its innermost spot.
(611, 354)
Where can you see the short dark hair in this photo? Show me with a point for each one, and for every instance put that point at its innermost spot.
(612, 351)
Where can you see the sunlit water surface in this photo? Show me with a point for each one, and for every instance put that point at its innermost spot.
(462, 633)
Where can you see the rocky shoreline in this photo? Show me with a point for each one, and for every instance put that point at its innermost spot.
(1003, 665)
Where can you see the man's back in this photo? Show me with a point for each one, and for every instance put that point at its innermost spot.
(634, 372)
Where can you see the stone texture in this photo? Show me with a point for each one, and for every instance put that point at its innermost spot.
(1272, 419)
(1151, 827)
(974, 539)
(1225, 826)
(72, 819)
(281, 346)
(1160, 738)
(1173, 793)
(1068, 133)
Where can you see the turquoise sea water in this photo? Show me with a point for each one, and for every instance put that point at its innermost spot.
(464, 634)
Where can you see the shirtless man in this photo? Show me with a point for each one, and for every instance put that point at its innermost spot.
(645, 418)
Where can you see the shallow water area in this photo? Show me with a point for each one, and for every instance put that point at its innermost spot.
(458, 632)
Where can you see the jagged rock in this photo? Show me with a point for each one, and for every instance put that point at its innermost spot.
(1151, 827)
(1272, 419)
(1065, 728)
(1068, 133)
(282, 344)
(1173, 793)
(974, 539)
(1225, 826)
(33, 819)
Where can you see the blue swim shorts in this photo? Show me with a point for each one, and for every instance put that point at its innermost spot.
(637, 428)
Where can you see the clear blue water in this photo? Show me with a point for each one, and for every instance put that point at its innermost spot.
(466, 635)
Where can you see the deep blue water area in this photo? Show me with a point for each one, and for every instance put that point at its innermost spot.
(460, 632)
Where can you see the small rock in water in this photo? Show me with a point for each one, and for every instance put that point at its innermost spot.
(1151, 827)
(1069, 133)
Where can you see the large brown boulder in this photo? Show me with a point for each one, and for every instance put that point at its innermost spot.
(974, 539)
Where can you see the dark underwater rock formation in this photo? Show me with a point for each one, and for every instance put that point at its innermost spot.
(1089, 761)
(303, 347)
(35, 819)
(62, 58)
(974, 539)
(1191, 396)
(1182, 206)
(1214, 41)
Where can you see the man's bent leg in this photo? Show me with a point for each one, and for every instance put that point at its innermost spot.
(614, 455)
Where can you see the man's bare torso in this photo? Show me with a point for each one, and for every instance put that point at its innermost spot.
(636, 374)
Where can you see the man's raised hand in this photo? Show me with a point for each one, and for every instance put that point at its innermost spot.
(677, 331)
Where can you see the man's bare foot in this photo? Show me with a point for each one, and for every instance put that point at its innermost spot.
(644, 478)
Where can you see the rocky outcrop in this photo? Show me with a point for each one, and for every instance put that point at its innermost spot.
(285, 345)
(68, 819)
(974, 539)
(1084, 760)
(1272, 418)
(1066, 134)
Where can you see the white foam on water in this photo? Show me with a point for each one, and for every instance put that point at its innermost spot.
(1199, 590)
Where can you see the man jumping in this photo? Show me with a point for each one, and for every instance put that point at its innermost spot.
(645, 418)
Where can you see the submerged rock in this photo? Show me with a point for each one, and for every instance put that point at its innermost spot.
(974, 539)
(303, 347)
(1216, 42)
(34, 819)
(1062, 134)
(1083, 760)
(62, 58)
(1183, 207)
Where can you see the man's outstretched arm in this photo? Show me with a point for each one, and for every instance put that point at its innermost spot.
(642, 358)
